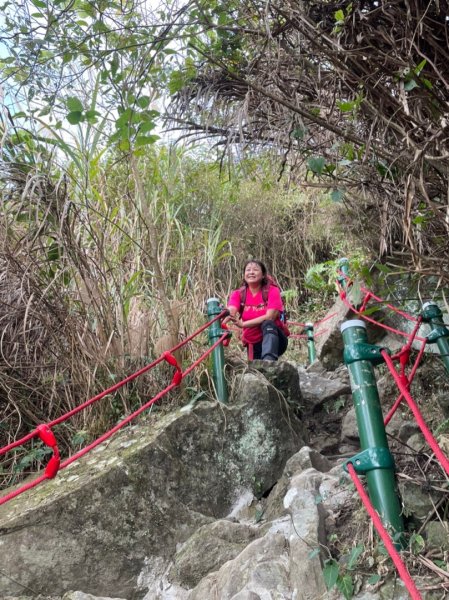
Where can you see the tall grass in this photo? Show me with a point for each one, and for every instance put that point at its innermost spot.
(94, 249)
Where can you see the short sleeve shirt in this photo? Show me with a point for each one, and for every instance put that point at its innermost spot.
(255, 307)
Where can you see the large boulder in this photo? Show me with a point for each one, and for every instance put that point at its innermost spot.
(110, 523)
(329, 343)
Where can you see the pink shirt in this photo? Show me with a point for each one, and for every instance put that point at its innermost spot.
(255, 307)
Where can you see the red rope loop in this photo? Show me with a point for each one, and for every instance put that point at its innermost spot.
(227, 339)
(48, 437)
(177, 377)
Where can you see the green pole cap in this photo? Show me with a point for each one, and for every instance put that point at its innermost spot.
(352, 323)
(430, 310)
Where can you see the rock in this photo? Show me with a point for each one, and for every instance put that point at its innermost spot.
(349, 428)
(82, 596)
(284, 377)
(306, 458)
(308, 533)
(416, 501)
(437, 535)
(318, 389)
(329, 346)
(261, 568)
(209, 547)
(110, 523)
(417, 442)
(407, 429)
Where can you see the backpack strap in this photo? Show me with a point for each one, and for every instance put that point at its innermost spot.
(265, 291)
(242, 291)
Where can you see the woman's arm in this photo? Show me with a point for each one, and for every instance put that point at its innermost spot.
(270, 315)
(233, 314)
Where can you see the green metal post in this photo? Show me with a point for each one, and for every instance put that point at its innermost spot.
(308, 328)
(375, 459)
(215, 332)
(432, 314)
(343, 265)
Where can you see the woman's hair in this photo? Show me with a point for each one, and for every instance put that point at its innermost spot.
(261, 265)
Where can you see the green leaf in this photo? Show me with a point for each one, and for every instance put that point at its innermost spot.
(92, 116)
(417, 543)
(337, 195)
(316, 164)
(124, 145)
(428, 84)
(39, 3)
(299, 133)
(330, 573)
(313, 553)
(383, 268)
(53, 252)
(75, 117)
(417, 70)
(145, 140)
(346, 106)
(339, 15)
(146, 127)
(346, 586)
(143, 102)
(373, 579)
(410, 85)
(74, 104)
(176, 82)
(356, 294)
(354, 556)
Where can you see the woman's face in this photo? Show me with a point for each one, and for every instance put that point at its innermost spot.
(253, 273)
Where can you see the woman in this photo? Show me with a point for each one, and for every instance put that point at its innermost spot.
(256, 308)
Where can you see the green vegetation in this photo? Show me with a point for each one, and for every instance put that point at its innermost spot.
(310, 137)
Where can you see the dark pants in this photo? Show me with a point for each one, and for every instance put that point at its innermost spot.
(273, 344)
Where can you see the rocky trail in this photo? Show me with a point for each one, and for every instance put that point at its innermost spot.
(241, 502)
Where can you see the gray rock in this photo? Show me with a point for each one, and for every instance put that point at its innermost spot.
(437, 535)
(416, 501)
(284, 377)
(261, 568)
(417, 442)
(308, 520)
(408, 428)
(318, 389)
(209, 548)
(349, 428)
(329, 346)
(82, 596)
(306, 458)
(121, 511)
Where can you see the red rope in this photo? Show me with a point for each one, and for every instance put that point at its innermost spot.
(369, 295)
(415, 410)
(410, 379)
(295, 324)
(47, 436)
(387, 327)
(110, 390)
(394, 554)
(325, 319)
